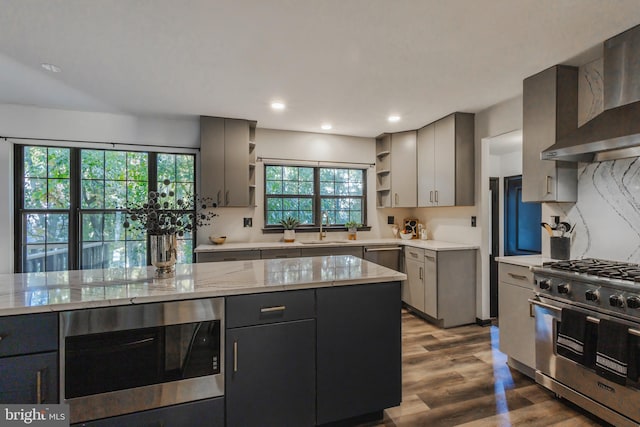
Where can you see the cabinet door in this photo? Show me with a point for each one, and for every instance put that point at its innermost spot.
(413, 287)
(549, 112)
(236, 162)
(279, 253)
(445, 161)
(270, 375)
(517, 326)
(404, 191)
(212, 153)
(426, 173)
(29, 379)
(431, 284)
(359, 350)
(227, 256)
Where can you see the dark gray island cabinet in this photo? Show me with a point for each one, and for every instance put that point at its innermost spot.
(304, 358)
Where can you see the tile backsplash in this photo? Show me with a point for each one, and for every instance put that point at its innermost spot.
(607, 213)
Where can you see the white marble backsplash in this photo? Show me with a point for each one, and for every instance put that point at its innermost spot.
(607, 214)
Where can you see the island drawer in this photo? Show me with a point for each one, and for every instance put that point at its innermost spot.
(259, 309)
(29, 333)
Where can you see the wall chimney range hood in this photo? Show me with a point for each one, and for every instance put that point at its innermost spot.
(615, 133)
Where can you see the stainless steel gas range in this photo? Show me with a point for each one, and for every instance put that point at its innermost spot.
(588, 335)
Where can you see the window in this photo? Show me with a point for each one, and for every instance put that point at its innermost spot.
(71, 212)
(307, 192)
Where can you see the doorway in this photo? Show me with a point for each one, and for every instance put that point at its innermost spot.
(494, 189)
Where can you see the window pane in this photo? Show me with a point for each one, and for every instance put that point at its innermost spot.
(35, 162)
(166, 167)
(273, 173)
(274, 204)
(274, 187)
(92, 226)
(58, 194)
(92, 194)
(115, 165)
(34, 259)
(137, 166)
(137, 192)
(57, 228)
(59, 162)
(115, 194)
(185, 168)
(57, 257)
(306, 204)
(136, 254)
(35, 193)
(113, 226)
(35, 228)
(92, 164)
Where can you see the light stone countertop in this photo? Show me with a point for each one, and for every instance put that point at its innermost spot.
(435, 245)
(525, 260)
(70, 290)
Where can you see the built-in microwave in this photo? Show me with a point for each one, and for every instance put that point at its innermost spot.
(124, 359)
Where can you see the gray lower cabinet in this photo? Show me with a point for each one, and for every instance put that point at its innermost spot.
(517, 324)
(280, 253)
(359, 350)
(227, 256)
(29, 359)
(205, 413)
(413, 287)
(271, 359)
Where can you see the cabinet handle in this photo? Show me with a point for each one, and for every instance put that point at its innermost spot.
(634, 332)
(226, 198)
(397, 198)
(273, 309)
(531, 310)
(431, 196)
(3, 336)
(436, 196)
(218, 197)
(39, 387)
(518, 276)
(420, 276)
(430, 258)
(235, 356)
(548, 182)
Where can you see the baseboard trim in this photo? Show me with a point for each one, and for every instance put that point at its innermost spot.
(483, 322)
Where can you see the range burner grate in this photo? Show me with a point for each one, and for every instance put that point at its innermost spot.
(598, 267)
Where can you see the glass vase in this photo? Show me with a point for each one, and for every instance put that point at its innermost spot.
(163, 254)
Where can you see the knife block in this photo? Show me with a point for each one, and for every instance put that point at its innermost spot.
(560, 247)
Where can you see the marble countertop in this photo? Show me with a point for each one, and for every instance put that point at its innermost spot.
(435, 245)
(524, 260)
(70, 290)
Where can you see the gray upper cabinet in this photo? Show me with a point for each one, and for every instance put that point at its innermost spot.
(446, 162)
(550, 111)
(226, 169)
(396, 170)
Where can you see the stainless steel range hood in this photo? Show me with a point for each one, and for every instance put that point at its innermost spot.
(615, 133)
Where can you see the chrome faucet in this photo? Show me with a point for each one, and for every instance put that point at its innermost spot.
(323, 216)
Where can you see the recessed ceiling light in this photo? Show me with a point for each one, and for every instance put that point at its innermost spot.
(393, 119)
(326, 126)
(277, 105)
(51, 67)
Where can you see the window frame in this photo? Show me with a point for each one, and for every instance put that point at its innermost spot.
(75, 209)
(316, 200)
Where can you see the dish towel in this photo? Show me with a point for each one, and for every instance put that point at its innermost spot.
(570, 341)
(613, 346)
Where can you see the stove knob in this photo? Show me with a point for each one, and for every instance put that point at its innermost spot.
(616, 301)
(591, 295)
(545, 284)
(633, 302)
(563, 288)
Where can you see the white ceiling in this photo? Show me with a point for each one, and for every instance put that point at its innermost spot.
(348, 62)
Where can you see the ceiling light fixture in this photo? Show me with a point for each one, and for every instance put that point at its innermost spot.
(326, 126)
(277, 105)
(393, 119)
(51, 67)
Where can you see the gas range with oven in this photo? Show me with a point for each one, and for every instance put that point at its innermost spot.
(597, 289)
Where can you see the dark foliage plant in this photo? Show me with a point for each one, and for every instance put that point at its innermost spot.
(161, 214)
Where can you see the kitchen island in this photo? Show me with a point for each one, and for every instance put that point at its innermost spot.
(295, 339)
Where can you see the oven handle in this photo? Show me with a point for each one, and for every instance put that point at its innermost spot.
(544, 305)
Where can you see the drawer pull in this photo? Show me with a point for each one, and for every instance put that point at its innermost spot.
(273, 309)
(634, 332)
(430, 258)
(39, 387)
(518, 276)
(235, 356)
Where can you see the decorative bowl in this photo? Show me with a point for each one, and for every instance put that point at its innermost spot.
(406, 236)
(217, 240)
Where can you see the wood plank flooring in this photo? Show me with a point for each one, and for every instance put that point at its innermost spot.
(458, 377)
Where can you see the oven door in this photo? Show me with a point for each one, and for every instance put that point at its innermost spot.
(124, 359)
(613, 402)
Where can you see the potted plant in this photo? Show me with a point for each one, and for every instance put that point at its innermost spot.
(289, 224)
(163, 218)
(352, 228)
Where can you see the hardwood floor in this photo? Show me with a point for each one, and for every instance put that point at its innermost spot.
(458, 377)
